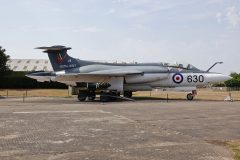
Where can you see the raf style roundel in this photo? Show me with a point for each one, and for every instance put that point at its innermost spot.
(177, 78)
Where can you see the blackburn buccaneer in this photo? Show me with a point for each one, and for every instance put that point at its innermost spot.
(112, 79)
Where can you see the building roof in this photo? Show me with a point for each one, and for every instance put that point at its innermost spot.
(29, 65)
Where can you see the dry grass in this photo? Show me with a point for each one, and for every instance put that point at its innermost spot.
(203, 94)
(235, 147)
(35, 93)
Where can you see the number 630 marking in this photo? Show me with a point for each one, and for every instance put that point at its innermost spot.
(195, 78)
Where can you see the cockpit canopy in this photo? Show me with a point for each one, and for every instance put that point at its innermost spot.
(186, 66)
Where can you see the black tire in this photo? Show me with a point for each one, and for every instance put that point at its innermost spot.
(190, 96)
(82, 95)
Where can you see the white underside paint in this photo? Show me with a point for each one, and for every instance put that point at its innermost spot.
(146, 78)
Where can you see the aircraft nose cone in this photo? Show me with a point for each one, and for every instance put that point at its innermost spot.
(217, 78)
(225, 77)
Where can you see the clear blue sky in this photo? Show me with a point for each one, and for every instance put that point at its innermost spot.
(195, 31)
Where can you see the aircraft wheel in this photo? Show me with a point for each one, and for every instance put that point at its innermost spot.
(190, 96)
(127, 94)
(82, 95)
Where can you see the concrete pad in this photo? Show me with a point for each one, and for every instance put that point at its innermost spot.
(63, 128)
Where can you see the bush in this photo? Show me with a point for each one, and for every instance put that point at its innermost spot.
(219, 85)
(235, 81)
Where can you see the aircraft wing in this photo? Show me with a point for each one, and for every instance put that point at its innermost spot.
(117, 72)
(96, 76)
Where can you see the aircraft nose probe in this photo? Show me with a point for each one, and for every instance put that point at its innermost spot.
(217, 77)
(213, 66)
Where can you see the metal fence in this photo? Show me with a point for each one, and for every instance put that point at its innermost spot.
(225, 88)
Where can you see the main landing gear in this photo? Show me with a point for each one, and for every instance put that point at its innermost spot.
(84, 95)
(190, 96)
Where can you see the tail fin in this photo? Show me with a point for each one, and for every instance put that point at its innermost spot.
(59, 58)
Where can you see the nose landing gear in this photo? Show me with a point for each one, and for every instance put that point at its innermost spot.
(190, 96)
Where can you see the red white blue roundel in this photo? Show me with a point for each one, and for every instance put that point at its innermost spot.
(177, 78)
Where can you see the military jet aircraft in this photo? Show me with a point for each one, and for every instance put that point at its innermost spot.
(111, 79)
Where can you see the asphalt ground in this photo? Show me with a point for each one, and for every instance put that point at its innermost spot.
(63, 128)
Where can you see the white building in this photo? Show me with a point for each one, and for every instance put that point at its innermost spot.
(29, 65)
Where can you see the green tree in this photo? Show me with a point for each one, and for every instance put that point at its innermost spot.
(235, 81)
(3, 61)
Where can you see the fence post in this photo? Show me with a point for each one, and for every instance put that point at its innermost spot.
(23, 97)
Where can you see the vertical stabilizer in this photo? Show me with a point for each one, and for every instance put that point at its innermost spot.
(59, 58)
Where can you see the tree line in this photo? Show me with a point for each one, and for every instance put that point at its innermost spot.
(4, 69)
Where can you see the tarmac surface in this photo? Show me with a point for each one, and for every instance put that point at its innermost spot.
(62, 128)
